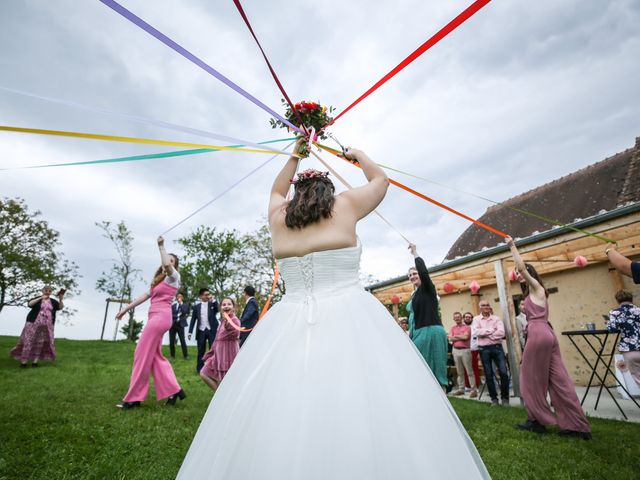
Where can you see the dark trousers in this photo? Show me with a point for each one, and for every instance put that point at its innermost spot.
(493, 356)
(204, 337)
(176, 328)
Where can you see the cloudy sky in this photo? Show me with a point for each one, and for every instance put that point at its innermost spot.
(521, 94)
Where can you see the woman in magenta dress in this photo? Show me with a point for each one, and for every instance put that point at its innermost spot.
(148, 358)
(36, 340)
(542, 370)
(218, 360)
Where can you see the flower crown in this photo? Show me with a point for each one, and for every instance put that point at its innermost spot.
(308, 174)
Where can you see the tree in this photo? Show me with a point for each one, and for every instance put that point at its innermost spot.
(258, 264)
(210, 261)
(132, 329)
(28, 256)
(119, 280)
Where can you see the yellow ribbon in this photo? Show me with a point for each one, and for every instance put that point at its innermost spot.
(113, 138)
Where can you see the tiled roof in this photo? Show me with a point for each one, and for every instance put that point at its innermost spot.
(600, 187)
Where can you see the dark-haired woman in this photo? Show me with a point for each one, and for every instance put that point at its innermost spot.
(36, 340)
(425, 325)
(542, 370)
(321, 390)
(148, 358)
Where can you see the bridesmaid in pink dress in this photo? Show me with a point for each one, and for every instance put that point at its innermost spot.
(542, 368)
(218, 360)
(148, 358)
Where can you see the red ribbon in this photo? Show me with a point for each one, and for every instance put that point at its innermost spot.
(273, 73)
(446, 30)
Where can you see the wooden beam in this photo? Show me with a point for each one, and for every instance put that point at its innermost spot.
(509, 320)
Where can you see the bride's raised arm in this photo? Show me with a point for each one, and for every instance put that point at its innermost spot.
(281, 183)
(363, 200)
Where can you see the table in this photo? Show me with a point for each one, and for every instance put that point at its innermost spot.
(599, 339)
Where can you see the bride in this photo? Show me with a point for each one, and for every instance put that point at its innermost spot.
(328, 386)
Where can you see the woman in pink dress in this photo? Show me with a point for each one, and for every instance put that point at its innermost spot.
(218, 360)
(148, 358)
(542, 370)
(36, 340)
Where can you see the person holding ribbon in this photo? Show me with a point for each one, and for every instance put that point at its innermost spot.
(325, 365)
(425, 325)
(147, 358)
(218, 360)
(542, 370)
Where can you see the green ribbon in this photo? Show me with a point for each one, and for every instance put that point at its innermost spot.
(135, 158)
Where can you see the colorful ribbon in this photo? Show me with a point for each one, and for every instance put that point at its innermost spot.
(424, 197)
(264, 55)
(276, 277)
(514, 209)
(136, 118)
(446, 30)
(116, 7)
(232, 186)
(148, 141)
(134, 158)
(346, 184)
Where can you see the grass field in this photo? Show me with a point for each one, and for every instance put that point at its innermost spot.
(60, 422)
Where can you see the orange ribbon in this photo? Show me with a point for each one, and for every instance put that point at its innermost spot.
(424, 197)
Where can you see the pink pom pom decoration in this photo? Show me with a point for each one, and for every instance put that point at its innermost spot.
(474, 286)
(580, 261)
(448, 287)
(395, 299)
(513, 276)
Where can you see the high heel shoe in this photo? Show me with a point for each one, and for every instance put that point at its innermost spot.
(128, 405)
(171, 400)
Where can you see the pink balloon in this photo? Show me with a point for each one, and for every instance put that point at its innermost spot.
(513, 276)
(474, 286)
(448, 287)
(580, 261)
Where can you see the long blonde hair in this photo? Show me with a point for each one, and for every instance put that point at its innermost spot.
(160, 274)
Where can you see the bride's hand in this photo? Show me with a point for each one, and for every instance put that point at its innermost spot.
(351, 153)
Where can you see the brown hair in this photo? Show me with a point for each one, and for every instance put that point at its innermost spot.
(160, 274)
(624, 296)
(312, 201)
(525, 286)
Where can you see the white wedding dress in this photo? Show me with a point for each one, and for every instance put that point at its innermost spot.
(328, 387)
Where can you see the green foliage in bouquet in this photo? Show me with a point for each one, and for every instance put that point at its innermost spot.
(312, 114)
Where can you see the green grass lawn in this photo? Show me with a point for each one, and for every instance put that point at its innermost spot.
(60, 422)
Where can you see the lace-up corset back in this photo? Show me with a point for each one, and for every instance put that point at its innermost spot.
(329, 271)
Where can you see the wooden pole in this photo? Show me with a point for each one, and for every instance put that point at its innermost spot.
(509, 320)
(104, 321)
(475, 303)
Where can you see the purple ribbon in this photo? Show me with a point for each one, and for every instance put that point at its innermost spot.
(115, 6)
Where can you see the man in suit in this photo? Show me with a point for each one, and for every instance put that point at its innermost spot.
(206, 323)
(250, 314)
(179, 311)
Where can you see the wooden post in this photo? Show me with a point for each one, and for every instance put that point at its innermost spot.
(104, 322)
(394, 307)
(509, 320)
(616, 279)
(475, 303)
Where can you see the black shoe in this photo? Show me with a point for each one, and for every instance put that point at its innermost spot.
(532, 426)
(573, 433)
(23, 365)
(128, 405)
(172, 399)
(34, 365)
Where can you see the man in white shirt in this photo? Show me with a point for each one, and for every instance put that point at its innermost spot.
(204, 317)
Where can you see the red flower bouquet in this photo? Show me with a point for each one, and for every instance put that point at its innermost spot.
(312, 114)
